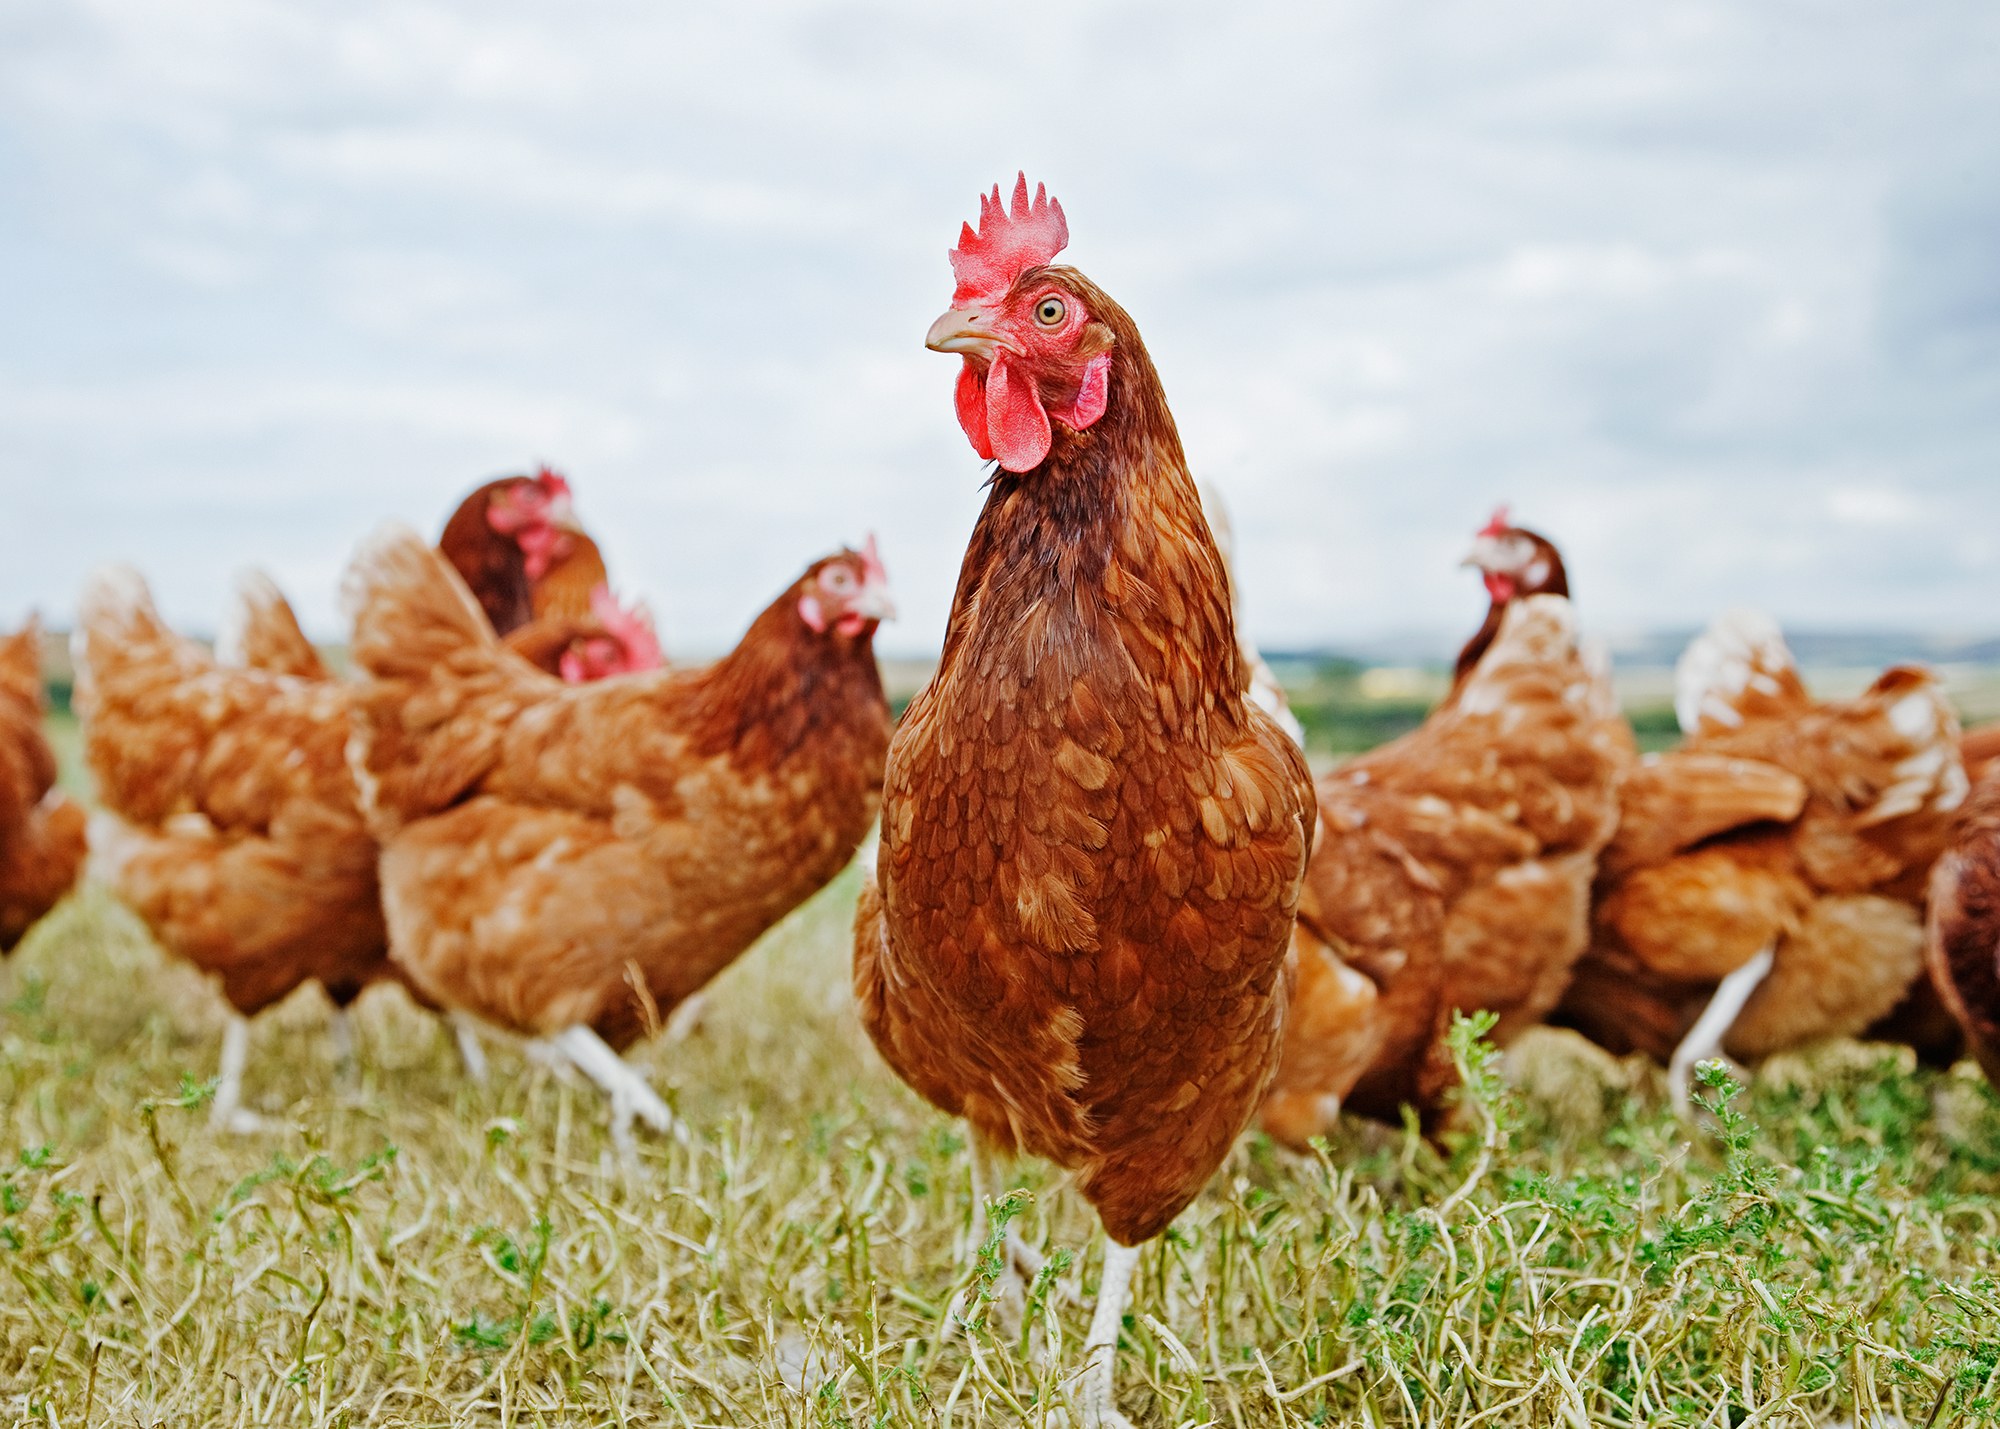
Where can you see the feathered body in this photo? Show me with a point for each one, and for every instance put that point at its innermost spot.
(1963, 934)
(1784, 824)
(1452, 872)
(1092, 845)
(232, 827)
(561, 855)
(42, 840)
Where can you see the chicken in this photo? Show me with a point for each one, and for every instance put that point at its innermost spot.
(1265, 691)
(1766, 887)
(1515, 563)
(571, 861)
(510, 535)
(231, 825)
(1092, 844)
(1962, 937)
(1452, 873)
(1980, 749)
(263, 633)
(41, 829)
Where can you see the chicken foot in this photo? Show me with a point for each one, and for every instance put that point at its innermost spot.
(1704, 1039)
(631, 1095)
(1098, 1390)
(471, 1054)
(227, 1112)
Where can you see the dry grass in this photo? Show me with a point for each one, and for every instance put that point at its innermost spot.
(420, 1251)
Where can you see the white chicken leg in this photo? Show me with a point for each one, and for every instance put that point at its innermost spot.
(630, 1094)
(227, 1112)
(1098, 1392)
(1704, 1039)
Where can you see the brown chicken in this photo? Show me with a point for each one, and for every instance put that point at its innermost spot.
(1963, 934)
(1452, 873)
(1766, 887)
(1514, 563)
(511, 535)
(231, 826)
(1092, 844)
(571, 861)
(1980, 749)
(41, 829)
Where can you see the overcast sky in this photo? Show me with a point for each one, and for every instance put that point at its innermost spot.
(1709, 292)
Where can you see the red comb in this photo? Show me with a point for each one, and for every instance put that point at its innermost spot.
(1500, 525)
(1008, 242)
(553, 482)
(872, 569)
(632, 626)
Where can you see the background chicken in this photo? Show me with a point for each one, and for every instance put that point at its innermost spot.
(1265, 691)
(231, 824)
(1766, 887)
(1963, 931)
(1452, 872)
(572, 861)
(1980, 748)
(1514, 563)
(1091, 842)
(517, 544)
(41, 830)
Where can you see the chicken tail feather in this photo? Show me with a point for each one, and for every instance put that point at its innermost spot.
(436, 696)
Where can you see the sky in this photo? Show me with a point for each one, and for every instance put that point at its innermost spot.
(1710, 293)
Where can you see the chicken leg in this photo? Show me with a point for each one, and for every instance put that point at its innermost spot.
(1098, 1391)
(1704, 1039)
(630, 1094)
(227, 1112)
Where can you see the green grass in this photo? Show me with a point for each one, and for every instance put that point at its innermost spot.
(419, 1251)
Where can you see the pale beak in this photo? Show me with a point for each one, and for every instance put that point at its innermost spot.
(1485, 555)
(964, 330)
(875, 603)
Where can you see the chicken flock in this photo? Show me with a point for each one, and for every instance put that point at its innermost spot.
(1111, 919)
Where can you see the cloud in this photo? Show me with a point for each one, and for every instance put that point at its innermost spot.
(1725, 326)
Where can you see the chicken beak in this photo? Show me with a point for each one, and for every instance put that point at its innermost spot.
(875, 602)
(964, 330)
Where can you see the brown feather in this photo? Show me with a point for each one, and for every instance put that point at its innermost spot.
(41, 831)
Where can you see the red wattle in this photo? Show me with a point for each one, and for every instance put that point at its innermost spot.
(1015, 421)
(970, 398)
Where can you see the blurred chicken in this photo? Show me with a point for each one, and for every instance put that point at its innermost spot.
(1765, 889)
(1980, 749)
(230, 826)
(1091, 842)
(517, 544)
(571, 861)
(1452, 872)
(1515, 563)
(1265, 691)
(41, 830)
(1963, 933)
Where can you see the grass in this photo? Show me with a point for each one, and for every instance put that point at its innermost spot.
(415, 1250)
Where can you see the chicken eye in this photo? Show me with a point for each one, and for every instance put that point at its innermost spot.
(1050, 311)
(838, 579)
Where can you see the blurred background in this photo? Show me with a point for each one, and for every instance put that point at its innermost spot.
(1709, 293)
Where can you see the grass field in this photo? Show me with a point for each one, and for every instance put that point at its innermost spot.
(417, 1250)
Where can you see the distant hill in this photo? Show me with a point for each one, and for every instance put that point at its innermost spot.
(1821, 648)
